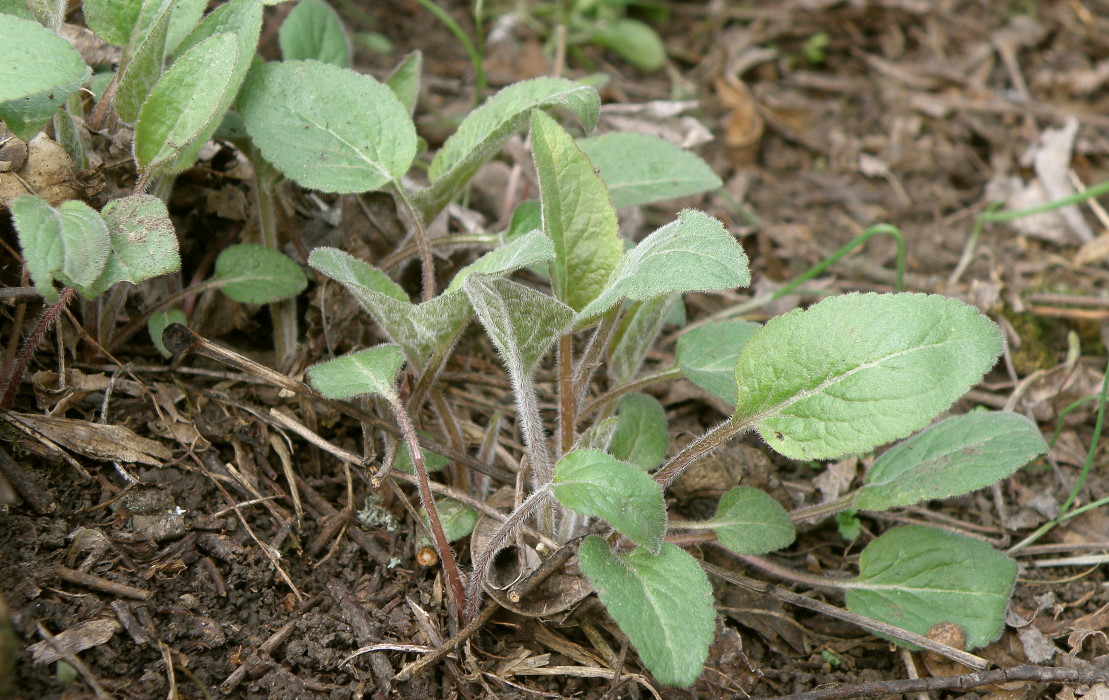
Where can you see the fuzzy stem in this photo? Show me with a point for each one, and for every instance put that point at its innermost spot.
(484, 560)
(566, 402)
(697, 449)
(427, 265)
(443, 548)
(662, 375)
(45, 322)
(590, 358)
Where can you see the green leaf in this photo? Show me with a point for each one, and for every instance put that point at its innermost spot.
(458, 520)
(372, 371)
(636, 334)
(640, 436)
(142, 63)
(186, 15)
(40, 237)
(404, 81)
(663, 603)
(916, 577)
(598, 436)
(859, 370)
(433, 461)
(158, 322)
(521, 322)
(38, 73)
(707, 356)
(642, 169)
(636, 43)
(86, 244)
(314, 31)
(528, 217)
(143, 242)
(959, 455)
(526, 250)
(748, 521)
(186, 105)
(626, 497)
(112, 20)
(487, 128)
(577, 215)
(254, 274)
(423, 331)
(693, 254)
(243, 18)
(326, 127)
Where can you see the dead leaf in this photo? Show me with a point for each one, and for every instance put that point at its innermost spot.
(46, 171)
(112, 443)
(744, 127)
(75, 639)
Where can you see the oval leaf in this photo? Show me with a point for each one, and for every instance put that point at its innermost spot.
(143, 242)
(86, 245)
(707, 356)
(693, 254)
(158, 322)
(38, 73)
(314, 31)
(326, 127)
(255, 274)
(458, 520)
(916, 577)
(859, 370)
(594, 483)
(40, 237)
(487, 128)
(371, 371)
(748, 521)
(640, 436)
(577, 215)
(186, 105)
(662, 602)
(636, 43)
(641, 168)
(959, 455)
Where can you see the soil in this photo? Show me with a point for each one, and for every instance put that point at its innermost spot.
(239, 560)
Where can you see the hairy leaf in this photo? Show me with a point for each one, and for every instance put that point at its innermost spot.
(707, 356)
(371, 371)
(255, 274)
(748, 521)
(642, 168)
(640, 437)
(662, 602)
(521, 322)
(859, 370)
(143, 242)
(314, 31)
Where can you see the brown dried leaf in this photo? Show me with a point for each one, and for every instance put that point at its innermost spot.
(96, 441)
(75, 639)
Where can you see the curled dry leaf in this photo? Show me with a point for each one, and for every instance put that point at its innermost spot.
(96, 441)
(44, 169)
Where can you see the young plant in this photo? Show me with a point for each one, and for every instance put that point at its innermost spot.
(845, 376)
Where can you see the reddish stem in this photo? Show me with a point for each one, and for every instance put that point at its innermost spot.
(45, 322)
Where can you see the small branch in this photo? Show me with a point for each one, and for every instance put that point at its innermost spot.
(446, 554)
(45, 322)
(822, 509)
(427, 265)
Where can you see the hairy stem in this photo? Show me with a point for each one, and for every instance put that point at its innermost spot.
(443, 548)
(484, 559)
(591, 357)
(662, 375)
(566, 402)
(697, 449)
(45, 322)
(427, 265)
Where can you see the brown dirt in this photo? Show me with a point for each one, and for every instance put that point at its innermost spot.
(910, 113)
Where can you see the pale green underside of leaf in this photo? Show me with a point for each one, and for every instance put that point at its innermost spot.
(487, 128)
(112, 20)
(186, 15)
(951, 458)
(707, 356)
(693, 254)
(529, 249)
(626, 497)
(458, 520)
(642, 169)
(143, 242)
(243, 18)
(371, 371)
(748, 521)
(521, 322)
(915, 577)
(38, 73)
(859, 370)
(432, 326)
(86, 245)
(637, 332)
(186, 105)
(255, 274)
(663, 603)
(598, 436)
(326, 127)
(640, 436)
(314, 31)
(40, 238)
(577, 215)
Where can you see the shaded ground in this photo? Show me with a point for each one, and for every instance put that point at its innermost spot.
(912, 113)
